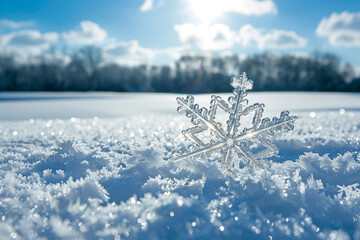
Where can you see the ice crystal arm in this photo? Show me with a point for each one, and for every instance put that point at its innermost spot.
(217, 101)
(350, 191)
(247, 156)
(189, 134)
(191, 110)
(271, 149)
(207, 149)
(268, 127)
(197, 116)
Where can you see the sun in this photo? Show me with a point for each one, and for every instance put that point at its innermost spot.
(206, 10)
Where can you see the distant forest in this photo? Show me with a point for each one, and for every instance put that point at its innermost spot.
(192, 73)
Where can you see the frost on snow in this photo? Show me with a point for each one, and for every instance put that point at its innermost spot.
(112, 178)
(232, 140)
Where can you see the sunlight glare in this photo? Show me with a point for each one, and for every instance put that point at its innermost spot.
(206, 10)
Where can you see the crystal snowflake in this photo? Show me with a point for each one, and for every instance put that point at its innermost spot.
(232, 140)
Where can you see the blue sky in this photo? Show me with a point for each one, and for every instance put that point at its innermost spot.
(159, 31)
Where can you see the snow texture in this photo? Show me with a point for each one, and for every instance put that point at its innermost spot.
(113, 178)
(232, 140)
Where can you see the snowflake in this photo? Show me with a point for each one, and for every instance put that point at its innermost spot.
(232, 140)
(350, 191)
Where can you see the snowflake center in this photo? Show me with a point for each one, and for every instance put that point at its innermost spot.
(230, 142)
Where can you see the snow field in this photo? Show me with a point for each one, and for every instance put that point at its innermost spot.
(113, 178)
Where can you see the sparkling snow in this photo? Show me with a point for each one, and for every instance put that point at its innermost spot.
(70, 168)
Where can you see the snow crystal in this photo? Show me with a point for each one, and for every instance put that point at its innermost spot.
(229, 141)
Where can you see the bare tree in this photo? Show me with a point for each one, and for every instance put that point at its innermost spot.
(91, 57)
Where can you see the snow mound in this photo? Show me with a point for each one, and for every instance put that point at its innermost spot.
(114, 179)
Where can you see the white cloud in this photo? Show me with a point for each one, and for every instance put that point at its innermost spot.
(89, 33)
(221, 37)
(27, 42)
(341, 29)
(15, 25)
(274, 39)
(147, 5)
(249, 7)
(214, 37)
(132, 53)
(125, 52)
(29, 38)
(207, 10)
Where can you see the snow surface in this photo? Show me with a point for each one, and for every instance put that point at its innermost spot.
(66, 174)
(24, 106)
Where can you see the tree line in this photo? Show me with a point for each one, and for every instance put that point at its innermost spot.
(191, 73)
